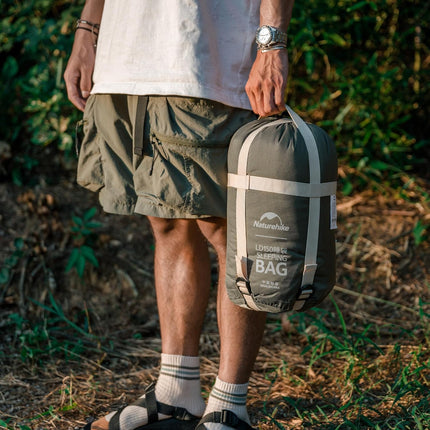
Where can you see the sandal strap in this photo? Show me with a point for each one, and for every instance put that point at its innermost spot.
(176, 412)
(151, 404)
(153, 408)
(162, 408)
(226, 417)
(114, 421)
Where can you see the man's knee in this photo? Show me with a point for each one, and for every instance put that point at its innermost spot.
(171, 229)
(162, 226)
(215, 231)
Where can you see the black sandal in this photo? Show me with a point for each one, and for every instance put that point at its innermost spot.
(179, 419)
(225, 417)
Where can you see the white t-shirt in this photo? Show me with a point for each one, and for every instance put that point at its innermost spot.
(194, 48)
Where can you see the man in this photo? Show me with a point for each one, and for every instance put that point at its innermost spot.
(170, 83)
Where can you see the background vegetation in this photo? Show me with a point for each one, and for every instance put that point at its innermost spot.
(361, 70)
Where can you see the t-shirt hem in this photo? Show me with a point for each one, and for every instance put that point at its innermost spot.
(141, 89)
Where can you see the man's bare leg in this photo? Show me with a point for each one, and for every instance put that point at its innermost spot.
(182, 282)
(241, 332)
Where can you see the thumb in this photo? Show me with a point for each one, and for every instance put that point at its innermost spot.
(86, 85)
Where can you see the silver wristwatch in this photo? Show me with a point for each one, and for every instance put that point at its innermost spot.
(267, 36)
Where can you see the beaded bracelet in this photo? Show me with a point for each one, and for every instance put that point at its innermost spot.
(84, 21)
(272, 48)
(88, 29)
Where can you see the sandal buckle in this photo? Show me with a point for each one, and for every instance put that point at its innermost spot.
(181, 414)
(229, 418)
(150, 387)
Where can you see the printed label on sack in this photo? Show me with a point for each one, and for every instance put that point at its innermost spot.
(333, 212)
(271, 259)
(264, 222)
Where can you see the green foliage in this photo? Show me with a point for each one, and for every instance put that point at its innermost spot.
(419, 232)
(12, 261)
(48, 336)
(35, 41)
(4, 424)
(57, 311)
(83, 231)
(358, 68)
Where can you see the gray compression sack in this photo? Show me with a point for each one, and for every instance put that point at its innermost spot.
(281, 215)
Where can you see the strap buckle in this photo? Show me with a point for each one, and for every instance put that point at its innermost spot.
(181, 414)
(150, 387)
(243, 285)
(229, 418)
(303, 295)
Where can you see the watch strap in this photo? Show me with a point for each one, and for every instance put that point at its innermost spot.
(278, 37)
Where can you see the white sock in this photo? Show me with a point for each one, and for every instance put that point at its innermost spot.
(227, 396)
(177, 385)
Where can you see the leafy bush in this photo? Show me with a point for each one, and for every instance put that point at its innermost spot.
(362, 69)
(35, 41)
(82, 231)
(358, 68)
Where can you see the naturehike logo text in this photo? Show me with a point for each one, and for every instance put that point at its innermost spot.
(270, 216)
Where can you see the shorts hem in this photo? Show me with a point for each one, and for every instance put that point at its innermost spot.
(117, 207)
(159, 210)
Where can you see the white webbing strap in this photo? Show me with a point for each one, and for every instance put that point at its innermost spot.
(241, 243)
(311, 251)
(314, 190)
(280, 186)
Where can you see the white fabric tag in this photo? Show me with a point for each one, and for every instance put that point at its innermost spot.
(333, 212)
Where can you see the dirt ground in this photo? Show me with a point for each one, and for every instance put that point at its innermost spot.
(67, 377)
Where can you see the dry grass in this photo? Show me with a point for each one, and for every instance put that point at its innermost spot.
(361, 361)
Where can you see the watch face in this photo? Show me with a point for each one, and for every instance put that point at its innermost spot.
(264, 35)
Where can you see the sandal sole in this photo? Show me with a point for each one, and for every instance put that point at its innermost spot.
(169, 424)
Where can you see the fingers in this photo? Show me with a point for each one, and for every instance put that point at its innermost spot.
(268, 99)
(78, 83)
(74, 94)
(271, 104)
(79, 70)
(267, 102)
(86, 84)
(267, 82)
(279, 97)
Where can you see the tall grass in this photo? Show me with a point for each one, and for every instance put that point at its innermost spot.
(355, 379)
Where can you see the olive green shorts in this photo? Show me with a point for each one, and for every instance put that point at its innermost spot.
(159, 156)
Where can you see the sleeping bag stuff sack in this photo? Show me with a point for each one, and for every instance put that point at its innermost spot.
(281, 215)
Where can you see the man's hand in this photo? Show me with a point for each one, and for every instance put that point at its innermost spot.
(80, 68)
(267, 82)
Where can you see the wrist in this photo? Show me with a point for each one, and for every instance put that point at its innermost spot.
(272, 55)
(84, 23)
(88, 28)
(277, 47)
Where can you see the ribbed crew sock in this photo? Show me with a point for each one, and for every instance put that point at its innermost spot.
(178, 385)
(227, 396)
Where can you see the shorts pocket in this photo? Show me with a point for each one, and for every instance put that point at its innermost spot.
(90, 169)
(194, 122)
